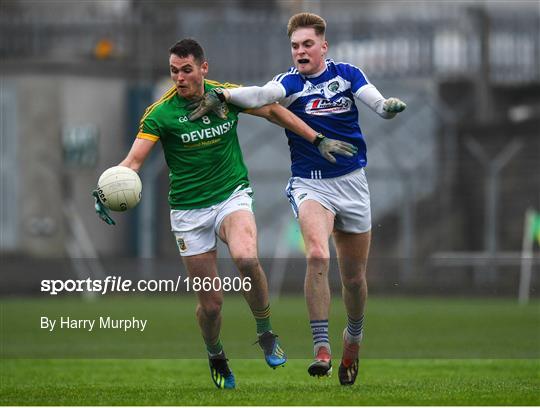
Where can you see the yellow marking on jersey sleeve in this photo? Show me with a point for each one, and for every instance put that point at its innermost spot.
(222, 85)
(167, 95)
(147, 136)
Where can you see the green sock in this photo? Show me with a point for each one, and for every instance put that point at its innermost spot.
(262, 318)
(214, 349)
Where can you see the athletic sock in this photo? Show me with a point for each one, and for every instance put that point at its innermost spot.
(214, 349)
(262, 318)
(355, 329)
(319, 330)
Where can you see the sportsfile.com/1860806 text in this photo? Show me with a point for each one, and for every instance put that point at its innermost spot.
(117, 284)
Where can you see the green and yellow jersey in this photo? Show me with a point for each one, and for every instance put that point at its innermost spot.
(204, 157)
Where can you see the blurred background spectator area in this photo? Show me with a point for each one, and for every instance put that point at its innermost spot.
(451, 179)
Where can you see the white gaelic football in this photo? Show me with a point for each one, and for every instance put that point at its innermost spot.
(119, 188)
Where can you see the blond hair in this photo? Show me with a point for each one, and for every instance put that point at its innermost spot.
(309, 20)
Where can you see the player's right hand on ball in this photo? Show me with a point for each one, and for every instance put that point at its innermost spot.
(394, 105)
(101, 211)
(208, 103)
(329, 146)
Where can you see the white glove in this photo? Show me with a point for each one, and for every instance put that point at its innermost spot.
(394, 105)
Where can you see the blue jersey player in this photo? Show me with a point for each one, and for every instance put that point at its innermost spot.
(329, 195)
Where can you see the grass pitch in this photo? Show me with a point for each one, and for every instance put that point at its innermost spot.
(416, 352)
(187, 382)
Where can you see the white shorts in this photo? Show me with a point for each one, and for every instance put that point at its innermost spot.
(196, 230)
(347, 197)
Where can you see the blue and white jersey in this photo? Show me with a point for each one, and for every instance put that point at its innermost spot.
(326, 103)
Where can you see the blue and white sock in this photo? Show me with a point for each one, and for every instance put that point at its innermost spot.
(354, 330)
(319, 330)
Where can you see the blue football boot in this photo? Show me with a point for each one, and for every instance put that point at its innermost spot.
(221, 373)
(273, 353)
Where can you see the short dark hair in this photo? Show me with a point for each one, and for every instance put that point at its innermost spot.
(187, 47)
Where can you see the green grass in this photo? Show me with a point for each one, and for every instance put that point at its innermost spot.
(395, 328)
(417, 351)
(187, 382)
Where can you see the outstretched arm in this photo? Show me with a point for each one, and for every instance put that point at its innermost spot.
(138, 153)
(385, 108)
(255, 96)
(245, 97)
(283, 117)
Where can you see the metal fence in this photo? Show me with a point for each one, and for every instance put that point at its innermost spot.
(249, 45)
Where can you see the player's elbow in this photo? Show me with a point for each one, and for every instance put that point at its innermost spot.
(274, 113)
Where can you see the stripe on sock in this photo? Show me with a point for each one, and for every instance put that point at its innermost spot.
(355, 328)
(262, 319)
(319, 332)
(262, 314)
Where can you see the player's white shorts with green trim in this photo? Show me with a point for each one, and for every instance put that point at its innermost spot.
(196, 230)
(347, 197)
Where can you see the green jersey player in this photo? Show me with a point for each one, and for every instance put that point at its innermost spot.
(210, 195)
(209, 148)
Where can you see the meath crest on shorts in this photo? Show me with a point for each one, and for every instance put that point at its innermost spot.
(181, 244)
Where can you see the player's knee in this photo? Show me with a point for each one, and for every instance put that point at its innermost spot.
(354, 283)
(247, 265)
(210, 309)
(318, 253)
